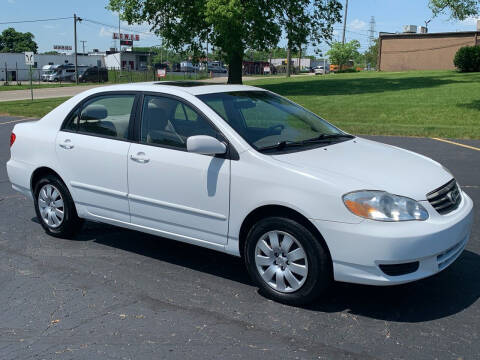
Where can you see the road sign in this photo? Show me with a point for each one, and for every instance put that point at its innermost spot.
(161, 73)
(29, 60)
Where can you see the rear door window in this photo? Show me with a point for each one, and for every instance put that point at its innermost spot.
(105, 115)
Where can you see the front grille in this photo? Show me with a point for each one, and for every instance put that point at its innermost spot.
(446, 198)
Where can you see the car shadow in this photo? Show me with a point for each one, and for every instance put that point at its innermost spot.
(442, 295)
(171, 251)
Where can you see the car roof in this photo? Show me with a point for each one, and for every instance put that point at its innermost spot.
(190, 87)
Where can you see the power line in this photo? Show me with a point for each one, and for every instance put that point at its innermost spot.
(33, 21)
(116, 27)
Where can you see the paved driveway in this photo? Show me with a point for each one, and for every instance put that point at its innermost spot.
(119, 294)
(44, 93)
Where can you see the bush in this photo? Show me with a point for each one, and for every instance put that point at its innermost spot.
(467, 59)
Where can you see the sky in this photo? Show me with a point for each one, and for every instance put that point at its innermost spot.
(390, 16)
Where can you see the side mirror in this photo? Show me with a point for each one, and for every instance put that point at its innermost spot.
(207, 145)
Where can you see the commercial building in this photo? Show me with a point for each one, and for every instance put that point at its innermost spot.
(422, 51)
(127, 60)
(13, 68)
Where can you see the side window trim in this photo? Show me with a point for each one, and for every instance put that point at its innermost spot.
(184, 111)
(231, 153)
(132, 119)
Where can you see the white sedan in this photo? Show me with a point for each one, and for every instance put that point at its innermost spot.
(244, 171)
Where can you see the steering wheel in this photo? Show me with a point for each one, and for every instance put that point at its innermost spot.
(279, 126)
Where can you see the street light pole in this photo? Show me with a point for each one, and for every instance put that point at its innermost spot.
(345, 22)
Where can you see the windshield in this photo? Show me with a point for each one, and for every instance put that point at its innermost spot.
(269, 122)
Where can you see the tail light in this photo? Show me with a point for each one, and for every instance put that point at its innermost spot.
(12, 138)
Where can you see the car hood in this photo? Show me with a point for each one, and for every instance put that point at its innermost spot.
(375, 165)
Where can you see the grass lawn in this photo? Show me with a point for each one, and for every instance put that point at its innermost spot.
(28, 108)
(432, 104)
(35, 86)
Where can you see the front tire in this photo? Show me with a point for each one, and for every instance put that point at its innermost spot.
(55, 208)
(287, 261)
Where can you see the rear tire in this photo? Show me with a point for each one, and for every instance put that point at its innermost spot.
(55, 208)
(287, 261)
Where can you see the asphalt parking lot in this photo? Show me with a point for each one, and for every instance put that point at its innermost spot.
(118, 294)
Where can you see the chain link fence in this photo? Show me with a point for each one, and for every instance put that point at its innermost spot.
(15, 76)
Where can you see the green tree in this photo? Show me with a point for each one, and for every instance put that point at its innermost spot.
(231, 25)
(371, 55)
(17, 42)
(458, 9)
(340, 54)
(305, 21)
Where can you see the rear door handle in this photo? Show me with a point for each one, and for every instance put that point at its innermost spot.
(66, 144)
(140, 158)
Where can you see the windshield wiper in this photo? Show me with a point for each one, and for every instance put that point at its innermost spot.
(322, 138)
(328, 137)
(281, 145)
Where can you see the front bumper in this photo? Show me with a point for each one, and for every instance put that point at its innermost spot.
(358, 250)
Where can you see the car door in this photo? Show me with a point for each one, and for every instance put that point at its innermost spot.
(181, 194)
(92, 149)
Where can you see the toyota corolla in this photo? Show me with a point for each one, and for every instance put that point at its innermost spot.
(244, 171)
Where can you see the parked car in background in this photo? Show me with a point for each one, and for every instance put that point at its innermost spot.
(319, 70)
(176, 67)
(94, 74)
(48, 70)
(64, 72)
(214, 67)
(244, 171)
(187, 66)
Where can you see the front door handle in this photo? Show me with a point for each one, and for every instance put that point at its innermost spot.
(67, 144)
(140, 158)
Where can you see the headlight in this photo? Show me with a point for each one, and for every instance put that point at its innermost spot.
(380, 205)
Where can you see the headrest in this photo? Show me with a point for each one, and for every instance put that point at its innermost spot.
(159, 103)
(94, 112)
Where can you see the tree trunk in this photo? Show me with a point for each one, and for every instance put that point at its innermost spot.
(289, 59)
(235, 68)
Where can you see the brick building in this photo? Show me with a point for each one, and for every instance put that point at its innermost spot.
(417, 51)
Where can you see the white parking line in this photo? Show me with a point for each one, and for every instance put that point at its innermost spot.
(15, 121)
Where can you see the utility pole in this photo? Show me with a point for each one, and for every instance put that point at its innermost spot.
(75, 19)
(119, 45)
(206, 66)
(345, 21)
(371, 35)
(83, 44)
(426, 25)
